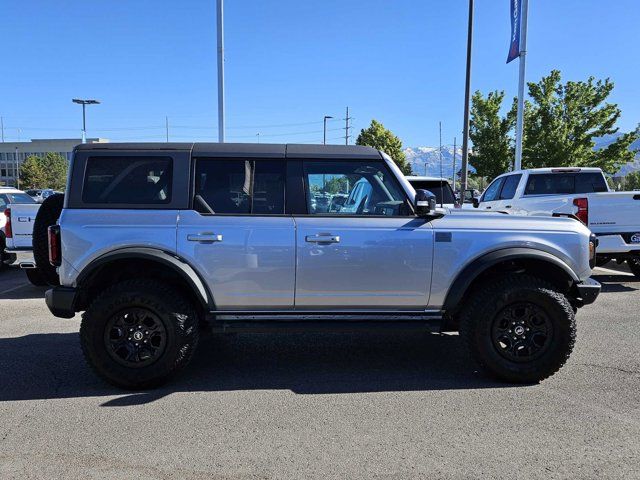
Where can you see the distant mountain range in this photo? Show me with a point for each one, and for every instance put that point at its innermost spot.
(426, 160)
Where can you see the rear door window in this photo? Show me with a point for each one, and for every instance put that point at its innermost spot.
(128, 180)
(239, 186)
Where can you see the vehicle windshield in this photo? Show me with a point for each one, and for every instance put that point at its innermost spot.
(19, 198)
(441, 189)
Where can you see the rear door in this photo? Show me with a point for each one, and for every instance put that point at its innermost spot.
(374, 254)
(236, 233)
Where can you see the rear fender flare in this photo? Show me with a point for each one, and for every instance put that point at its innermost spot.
(182, 268)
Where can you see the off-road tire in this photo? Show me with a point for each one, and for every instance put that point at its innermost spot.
(34, 275)
(634, 265)
(486, 304)
(48, 215)
(171, 307)
(2, 247)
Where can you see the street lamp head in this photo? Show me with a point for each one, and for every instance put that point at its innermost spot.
(85, 101)
(327, 116)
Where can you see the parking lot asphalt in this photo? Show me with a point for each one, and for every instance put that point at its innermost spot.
(311, 406)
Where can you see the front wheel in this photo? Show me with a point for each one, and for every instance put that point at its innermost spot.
(519, 328)
(634, 265)
(139, 333)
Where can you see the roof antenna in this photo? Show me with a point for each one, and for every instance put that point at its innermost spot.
(441, 184)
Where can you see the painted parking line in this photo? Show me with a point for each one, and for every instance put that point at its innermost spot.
(14, 288)
(614, 272)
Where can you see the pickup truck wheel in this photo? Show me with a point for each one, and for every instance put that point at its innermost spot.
(634, 265)
(35, 277)
(47, 215)
(139, 333)
(519, 328)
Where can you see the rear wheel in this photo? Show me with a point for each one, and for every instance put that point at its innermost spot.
(519, 328)
(634, 265)
(139, 333)
(48, 215)
(34, 275)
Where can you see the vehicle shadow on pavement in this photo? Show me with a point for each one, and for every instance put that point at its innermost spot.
(616, 283)
(43, 366)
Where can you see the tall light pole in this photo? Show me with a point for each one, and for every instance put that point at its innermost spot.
(17, 170)
(219, 16)
(84, 103)
(520, 115)
(324, 121)
(467, 94)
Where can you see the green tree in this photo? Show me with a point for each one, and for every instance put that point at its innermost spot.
(632, 181)
(49, 171)
(32, 173)
(563, 121)
(489, 132)
(380, 138)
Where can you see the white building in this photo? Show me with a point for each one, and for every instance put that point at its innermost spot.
(13, 154)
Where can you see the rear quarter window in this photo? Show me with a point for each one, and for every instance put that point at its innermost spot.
(128, 180)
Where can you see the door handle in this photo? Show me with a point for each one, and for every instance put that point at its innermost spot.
(488, 208)
(507, 206)
(322, 238)
(205, 237)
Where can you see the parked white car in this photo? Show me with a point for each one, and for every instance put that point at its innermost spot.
(582, 193)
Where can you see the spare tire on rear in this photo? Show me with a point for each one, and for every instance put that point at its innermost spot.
(48, 215)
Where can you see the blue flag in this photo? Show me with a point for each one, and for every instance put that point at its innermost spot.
(516, 16)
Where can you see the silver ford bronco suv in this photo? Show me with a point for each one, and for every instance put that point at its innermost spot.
(153, 242)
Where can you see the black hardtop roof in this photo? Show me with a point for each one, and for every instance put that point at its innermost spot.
(269, 150)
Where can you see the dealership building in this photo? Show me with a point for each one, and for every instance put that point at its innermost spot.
(13, 154)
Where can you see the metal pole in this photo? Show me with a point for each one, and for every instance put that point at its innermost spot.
(324, 136)
(453, 176)
(520, 116)
(2, 128)
(17, 171)
(467, 95)
(346, 128)
(219, 16)
(84, 124)
(166, 125)
(441, 181)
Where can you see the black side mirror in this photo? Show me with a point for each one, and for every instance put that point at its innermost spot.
(425, 202)
(476, 202)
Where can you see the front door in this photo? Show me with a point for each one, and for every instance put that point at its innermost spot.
(368, 251)
(237, 236)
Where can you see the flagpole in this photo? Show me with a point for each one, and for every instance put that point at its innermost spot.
(523, 61)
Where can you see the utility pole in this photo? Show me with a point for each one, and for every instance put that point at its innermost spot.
(346, 128)
(17, 170)
(441, 174)
(467, 94)
(453, 177)
(219, 15)
(166, 126)
(324, 121)
(2, 128)
(520, 115)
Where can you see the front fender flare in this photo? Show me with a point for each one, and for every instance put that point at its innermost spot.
(476, 267)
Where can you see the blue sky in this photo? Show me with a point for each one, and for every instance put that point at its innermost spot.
(289, 62)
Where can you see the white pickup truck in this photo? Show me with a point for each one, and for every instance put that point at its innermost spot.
(581, 193)
(17, 215)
